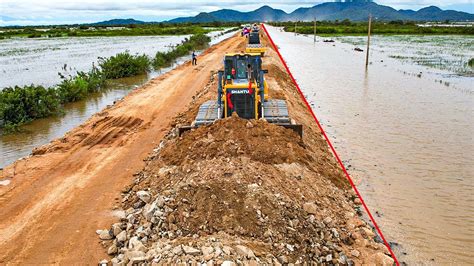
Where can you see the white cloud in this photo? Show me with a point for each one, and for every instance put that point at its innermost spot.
(27, 12)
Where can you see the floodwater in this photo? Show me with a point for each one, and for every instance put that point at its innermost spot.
(37, 61)
(26, 61)
(404, 130)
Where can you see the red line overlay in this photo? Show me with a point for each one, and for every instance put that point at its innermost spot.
(332, 148)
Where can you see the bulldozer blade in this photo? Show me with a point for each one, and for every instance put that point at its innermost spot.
(296, 128)
(183, 129)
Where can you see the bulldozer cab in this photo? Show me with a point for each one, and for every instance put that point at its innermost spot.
(254, 37)
(242, 85)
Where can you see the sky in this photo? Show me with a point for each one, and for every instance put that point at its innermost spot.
(47, 12)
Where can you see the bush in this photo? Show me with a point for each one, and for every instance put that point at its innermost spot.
(124, 65)
(471, 62)
(22, 104)
(95, 79)
(72, 89)
(197, 41)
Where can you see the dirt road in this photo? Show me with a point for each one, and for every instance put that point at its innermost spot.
(62, 194)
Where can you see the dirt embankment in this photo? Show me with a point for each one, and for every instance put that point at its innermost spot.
(242, 191)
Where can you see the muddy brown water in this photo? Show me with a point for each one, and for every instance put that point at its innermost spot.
(406, 137)
(26, 61)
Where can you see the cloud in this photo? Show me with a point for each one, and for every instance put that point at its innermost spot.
(33, 12)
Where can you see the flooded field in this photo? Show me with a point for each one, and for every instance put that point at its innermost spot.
(405, 132)
(26, 61)
(38, 61)
(448, 53)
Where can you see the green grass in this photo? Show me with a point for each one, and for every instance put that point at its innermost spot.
(344, 28)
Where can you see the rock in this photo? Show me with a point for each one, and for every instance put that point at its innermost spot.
(369, 233)
(342, 258)
(227, 250)
(208, 257)
(105, 235)
(249, 124)
(228, 263)
(149, 210)
(355, 253)
(116, 228)
(251, 263)
(357, 201)
(134, 256)
(291, 248)
(112, 249)
(191, 251)
(135, 244)
(177, 250)
(283, 259)
(327, 220)
(151, 254)
(122, 237)
(244, 251)
(207, 250)
(382, 259)
(310, 208)
(144, 196)
(335, 233)
(160, 201)
(103, 262)
(329, 258)
(218, 252)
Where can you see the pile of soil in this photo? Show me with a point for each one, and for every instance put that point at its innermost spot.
(240, 191)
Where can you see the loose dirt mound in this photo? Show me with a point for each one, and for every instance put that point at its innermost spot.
(241, 191)
(233, 137)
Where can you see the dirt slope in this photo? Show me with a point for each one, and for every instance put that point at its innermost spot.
(241, 191)
(66, 190)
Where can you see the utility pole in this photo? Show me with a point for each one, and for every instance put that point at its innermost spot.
(368, 41)
(314, 30)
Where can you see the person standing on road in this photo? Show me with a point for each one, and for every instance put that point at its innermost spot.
(194, 58)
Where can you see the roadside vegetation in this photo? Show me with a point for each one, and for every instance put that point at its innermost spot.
(346, 27)
(19, 105)
(92, 30)
(471, 62)
(195, 42)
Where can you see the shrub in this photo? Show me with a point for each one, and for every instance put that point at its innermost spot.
(471, 62)
(199, 40)
(72, 89)
(124, 65)
(22, 104)
(196, 41)
(95, 79)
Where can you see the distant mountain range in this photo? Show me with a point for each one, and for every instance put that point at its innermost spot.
(118, 22)
(324, 11)
(331, 11)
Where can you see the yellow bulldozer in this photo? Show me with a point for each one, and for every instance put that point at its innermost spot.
(242, 89)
